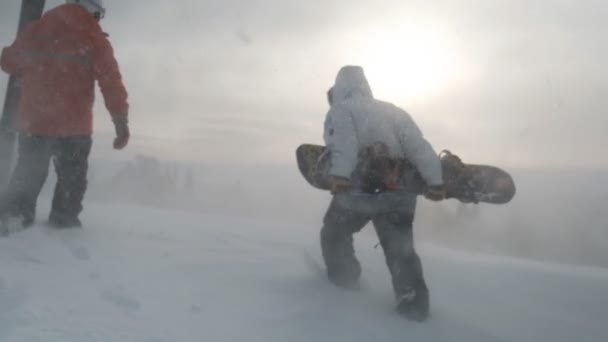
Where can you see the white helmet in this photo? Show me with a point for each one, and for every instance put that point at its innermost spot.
(95, 7)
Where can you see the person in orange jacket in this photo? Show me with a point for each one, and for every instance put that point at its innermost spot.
(58, 59)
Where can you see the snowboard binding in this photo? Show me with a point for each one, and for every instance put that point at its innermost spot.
(470, 183)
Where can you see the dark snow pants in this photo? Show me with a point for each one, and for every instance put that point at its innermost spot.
(70, 157)
(395, 232)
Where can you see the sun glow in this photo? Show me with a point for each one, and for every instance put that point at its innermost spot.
(405, 64)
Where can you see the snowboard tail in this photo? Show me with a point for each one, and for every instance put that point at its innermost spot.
(31, 10)
(468, 183)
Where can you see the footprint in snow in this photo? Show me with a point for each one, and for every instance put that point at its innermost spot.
(121, 300)
(80, 252)
(32, 260)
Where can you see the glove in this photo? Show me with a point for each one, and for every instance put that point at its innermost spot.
(435, 193)
(121, 124)
(338, 184)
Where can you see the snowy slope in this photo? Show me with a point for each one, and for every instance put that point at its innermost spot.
(146, 275)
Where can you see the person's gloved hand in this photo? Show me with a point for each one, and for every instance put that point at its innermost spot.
(435, 193)
(121, 124)
(339, 184)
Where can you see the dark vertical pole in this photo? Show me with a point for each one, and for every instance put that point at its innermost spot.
(31, 10)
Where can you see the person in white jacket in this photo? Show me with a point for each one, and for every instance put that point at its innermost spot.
(375, 149)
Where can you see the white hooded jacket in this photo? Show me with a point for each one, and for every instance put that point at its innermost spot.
(356, 120)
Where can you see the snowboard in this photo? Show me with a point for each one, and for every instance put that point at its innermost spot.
(31, 10)
(468, 183)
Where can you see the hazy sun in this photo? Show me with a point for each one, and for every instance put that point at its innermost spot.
(406, 63)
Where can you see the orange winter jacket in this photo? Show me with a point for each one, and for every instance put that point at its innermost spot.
(58, 59)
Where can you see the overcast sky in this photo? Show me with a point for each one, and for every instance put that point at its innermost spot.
(519, 83)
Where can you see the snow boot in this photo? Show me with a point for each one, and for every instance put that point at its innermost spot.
(10, 224)
(4, 227)
(60, 221)
(413, 305)
(346, 275)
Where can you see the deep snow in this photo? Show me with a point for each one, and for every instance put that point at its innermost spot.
(137, 274)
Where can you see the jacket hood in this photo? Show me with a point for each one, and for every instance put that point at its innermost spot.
(74, 16)
(350, 83)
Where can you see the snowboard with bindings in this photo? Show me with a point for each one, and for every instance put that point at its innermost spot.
(468, 183)
(31, 10)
